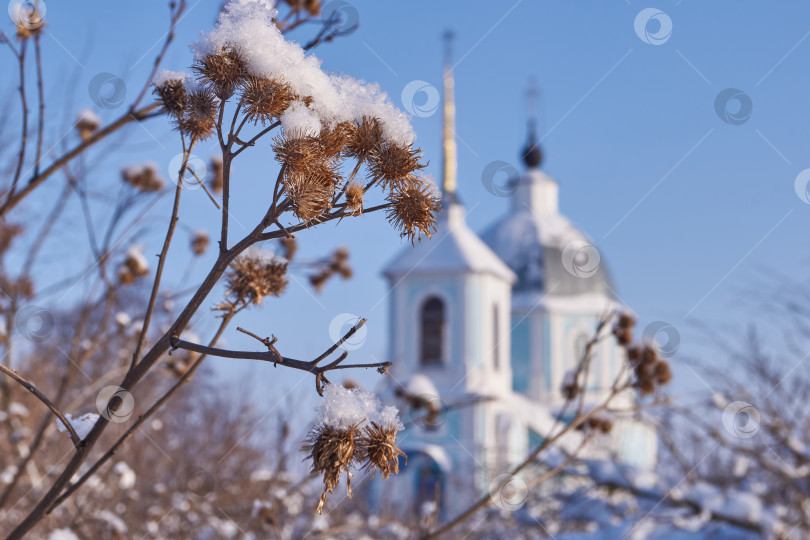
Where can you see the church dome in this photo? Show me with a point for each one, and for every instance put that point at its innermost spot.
(543, 248)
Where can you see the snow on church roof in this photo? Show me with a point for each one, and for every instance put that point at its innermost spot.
(455, 248)
(547, 252)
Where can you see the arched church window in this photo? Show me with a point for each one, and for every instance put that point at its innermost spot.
(432, 321)
(429, 484)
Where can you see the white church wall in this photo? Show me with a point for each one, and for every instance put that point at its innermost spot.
(484, 294)
(409, 297)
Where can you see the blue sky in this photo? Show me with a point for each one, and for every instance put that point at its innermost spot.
(688, 210)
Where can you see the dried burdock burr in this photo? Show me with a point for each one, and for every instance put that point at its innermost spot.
(414, 211)
(354, 198)
(87, 124)
(134, 266)
(264, 99)
(332, 451)
(199, 242)
(378, 450)
(199, 117)
(221, 72)
(365, 139)
(143, 177)
(393, 166)
(254, 275)
(172, 95)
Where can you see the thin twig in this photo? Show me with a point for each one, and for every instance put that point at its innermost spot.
(202, 185)
(261, 134)
(74, 437)
(162, 257)
(41, 96)
(24, 127)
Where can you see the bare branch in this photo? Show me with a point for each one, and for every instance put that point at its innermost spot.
(74, 437)
(274, 357)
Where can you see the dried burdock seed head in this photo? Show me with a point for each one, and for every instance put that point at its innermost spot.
(332, 451)
(217, 180)
(8, 232)
(633, 354)
(134, 266)
(27, 17)
(125, 277)
(221, 71)
(313, 7)
(290, 247)
(365, 139)
(626, 321)
(143, 177)
(19, 288)
(264, 98)
(649, 355)
(378, 450)
(354, 198)
(199, 242)
(172, 95)
(393, 166)
(337, 264)
(624, 336)
(335, 139)
(136, 262)
(662, 372)
(414, 211)
(297, 153)
(319, 280)
(254, 275)
(200, 114)
(645, 386)
(311, 191)
(603, 425)
(87, 123)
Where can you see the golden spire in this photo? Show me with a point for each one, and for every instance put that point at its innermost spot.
(449, 153)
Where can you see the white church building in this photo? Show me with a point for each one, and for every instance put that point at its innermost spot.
(485, 328)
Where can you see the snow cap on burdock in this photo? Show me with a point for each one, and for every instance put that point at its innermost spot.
(352, 427)
(247, 28)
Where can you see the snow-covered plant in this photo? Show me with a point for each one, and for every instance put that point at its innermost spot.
(342, 150)
(353, 429)
(322, 121)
